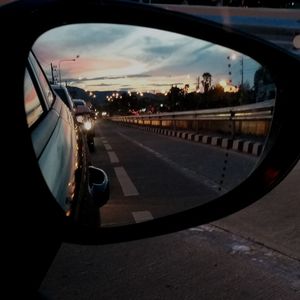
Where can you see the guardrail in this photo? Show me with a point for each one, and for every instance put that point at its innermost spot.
(251, 119)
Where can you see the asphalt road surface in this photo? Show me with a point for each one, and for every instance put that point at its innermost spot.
(155, 175)
(253, 254)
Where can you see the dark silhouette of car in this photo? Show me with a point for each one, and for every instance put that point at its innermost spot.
(59, 146)
(85, 117)
(79, 102)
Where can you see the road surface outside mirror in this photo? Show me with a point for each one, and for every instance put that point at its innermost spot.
(179, 121)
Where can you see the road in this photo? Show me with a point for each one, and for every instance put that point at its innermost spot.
(253, 254)
(154, 175)
(278, 26)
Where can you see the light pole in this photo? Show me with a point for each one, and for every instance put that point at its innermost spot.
(63, 60)
(52, 72)
(242, 70)
(234, 57)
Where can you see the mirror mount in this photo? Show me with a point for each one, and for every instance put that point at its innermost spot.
(98, 184)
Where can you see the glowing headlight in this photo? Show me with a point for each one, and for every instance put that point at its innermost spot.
(87, 125)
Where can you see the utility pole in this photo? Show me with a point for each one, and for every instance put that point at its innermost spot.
(52, 73)
(198, 84)
(61, 61)
(242, 70)
(229, 58)
(234, 57)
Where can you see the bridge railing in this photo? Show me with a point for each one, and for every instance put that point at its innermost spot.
(252, 119)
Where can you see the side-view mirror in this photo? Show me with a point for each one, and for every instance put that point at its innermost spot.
(213, 133)
(98, 186)
(198, 109)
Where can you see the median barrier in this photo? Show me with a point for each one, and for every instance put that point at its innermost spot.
(228, 125)
(245, 146)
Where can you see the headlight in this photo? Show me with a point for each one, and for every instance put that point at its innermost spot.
(87, 125)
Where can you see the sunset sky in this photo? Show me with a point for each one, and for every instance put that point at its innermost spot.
(131, 58)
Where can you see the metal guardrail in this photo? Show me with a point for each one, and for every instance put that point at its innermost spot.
(256, 111)
(253, 119)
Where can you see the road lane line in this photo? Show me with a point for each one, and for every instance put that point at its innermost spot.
(107, 147)
(142, 216)
(185, 171)
(127, 185)
(113, 157)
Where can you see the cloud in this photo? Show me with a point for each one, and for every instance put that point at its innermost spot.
(167, 84)
(113, 55)
(138, 76)
(125, 89)
(82, 37)
(109, 77)
(100, 85)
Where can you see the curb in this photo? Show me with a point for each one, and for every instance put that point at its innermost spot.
(239, 145)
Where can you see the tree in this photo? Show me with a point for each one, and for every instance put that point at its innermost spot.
(263, 84)
(175, 98)
(262, 76)
(206, 81)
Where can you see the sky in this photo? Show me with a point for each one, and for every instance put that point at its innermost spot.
(130, 58)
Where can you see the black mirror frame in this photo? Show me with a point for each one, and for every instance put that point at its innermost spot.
(34, 18)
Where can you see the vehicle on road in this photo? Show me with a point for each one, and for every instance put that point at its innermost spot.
(52, 170)
(87, 119)
(59, 146)
(84, 116)
(65, 96)
(79, 102)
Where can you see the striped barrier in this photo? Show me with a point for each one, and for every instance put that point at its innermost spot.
(238, 145)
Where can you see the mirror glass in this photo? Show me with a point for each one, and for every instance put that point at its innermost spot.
(79, 119)
(177, 121)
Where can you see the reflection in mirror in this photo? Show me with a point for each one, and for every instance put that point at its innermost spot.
(79, 119)
(178, 121)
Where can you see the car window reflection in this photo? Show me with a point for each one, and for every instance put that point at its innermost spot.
(33, 105)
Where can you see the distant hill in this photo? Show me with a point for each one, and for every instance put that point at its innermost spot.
(98, 102)
(101, 97)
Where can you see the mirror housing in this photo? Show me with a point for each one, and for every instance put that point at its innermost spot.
(41, 226)
(36, 18)
(98, 186)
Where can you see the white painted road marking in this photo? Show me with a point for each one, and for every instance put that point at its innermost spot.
(113, 157)
(142, 216)
(127, 185)
(107, 147)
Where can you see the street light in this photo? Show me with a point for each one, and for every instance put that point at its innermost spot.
(63, 60)
(234, 57)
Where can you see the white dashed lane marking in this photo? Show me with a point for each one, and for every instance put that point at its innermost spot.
(142, 216)
(127, 185)
(113, 157)
(191, 174)
(107, 147)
